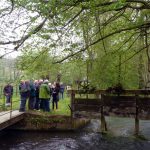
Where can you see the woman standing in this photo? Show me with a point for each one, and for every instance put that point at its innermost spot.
(55, 94)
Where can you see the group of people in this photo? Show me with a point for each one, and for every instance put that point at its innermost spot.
(38, 93)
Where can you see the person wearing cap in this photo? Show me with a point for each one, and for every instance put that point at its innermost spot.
(44, 95)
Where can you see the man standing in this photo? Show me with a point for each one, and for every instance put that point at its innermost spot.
(24, 94)
(44, 95)
(8, 92)
(61, 91)
(32, 96)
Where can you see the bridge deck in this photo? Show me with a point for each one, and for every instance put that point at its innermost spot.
(6, 120)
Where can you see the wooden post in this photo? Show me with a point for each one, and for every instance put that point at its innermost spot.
(72, 102)
(72, 108)
(103, 121)
(136, 117)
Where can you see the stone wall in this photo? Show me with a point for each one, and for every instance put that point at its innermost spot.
(49, 122)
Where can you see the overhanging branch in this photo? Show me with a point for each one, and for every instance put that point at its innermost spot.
(104, 37)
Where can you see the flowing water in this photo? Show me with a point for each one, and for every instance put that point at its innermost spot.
(89, 138)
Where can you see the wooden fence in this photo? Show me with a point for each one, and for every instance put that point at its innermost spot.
(129, 103)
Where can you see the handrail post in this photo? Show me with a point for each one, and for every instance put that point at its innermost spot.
(4, 102)
(10, 107)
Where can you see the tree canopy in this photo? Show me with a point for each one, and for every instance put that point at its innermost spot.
(110, 37)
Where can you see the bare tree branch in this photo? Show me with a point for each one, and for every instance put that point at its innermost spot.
(133, 55)
(74, 17)
(38, 28)
(98, 40)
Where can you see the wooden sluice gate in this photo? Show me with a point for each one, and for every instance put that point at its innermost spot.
(130, 103)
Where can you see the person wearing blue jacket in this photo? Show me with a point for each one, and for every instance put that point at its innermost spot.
(32, 95)
(24, 90)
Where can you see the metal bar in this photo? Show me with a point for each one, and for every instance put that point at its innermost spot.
(11, 108)
(4, 102)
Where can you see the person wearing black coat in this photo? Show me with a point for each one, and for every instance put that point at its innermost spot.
(55, 95)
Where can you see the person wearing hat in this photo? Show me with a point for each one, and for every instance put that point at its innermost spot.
(44, 95)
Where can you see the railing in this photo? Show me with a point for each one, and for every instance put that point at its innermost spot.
(8, 109)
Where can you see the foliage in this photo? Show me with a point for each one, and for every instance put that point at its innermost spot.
(87, 36)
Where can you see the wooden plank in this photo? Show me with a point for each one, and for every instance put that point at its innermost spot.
(134, 92)
(121, 102)
(123, 105)
(87, 102)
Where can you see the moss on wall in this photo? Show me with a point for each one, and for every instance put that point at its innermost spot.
(50, 122)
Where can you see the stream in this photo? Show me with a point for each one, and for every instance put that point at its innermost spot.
(120, 137)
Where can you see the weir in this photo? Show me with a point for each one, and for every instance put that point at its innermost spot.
(130, 103)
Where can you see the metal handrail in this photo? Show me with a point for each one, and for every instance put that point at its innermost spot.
(11, 109)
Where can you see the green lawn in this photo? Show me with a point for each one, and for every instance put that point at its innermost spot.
(63, 108)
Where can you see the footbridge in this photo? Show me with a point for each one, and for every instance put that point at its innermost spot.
(9, 115)
(8, 118)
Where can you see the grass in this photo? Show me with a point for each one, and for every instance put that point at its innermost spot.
(63, 108)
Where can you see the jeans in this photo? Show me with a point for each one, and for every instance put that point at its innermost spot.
(31, 103)
(45, 104)
(8, 98)
(61, 95)
(37, 103)
(23, 103)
